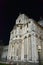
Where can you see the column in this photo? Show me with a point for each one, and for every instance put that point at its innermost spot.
(29, 54)
(15, 51)
(22, 50)
(25, 48)
(34, 48)
(37, 46)
(19, 51)
(9, 51)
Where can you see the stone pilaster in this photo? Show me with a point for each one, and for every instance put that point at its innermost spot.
(29, 55)
(22, 50)
(34, 48)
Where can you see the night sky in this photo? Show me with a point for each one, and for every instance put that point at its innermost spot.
(9, 11)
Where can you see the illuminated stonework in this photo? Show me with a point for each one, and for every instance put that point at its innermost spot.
(25, 36)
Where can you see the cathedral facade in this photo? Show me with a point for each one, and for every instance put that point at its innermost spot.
(25, 38)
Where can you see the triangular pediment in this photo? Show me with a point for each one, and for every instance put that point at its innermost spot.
(22, 19)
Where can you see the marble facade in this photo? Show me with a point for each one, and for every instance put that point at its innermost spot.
(25, 37)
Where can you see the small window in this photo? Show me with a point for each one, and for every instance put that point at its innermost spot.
(29, 35)
(16, 36)
(27, 31)
(20, 27)
(39, 37)
(27, 25)
(36, 35)
(11, 57)
(19, 21)
(25, 36)
(33, 30)
(20, 35)
(29, 22)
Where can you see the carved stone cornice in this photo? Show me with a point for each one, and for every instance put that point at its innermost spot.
(17, 41)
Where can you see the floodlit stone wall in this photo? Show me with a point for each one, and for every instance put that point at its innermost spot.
(24, 40)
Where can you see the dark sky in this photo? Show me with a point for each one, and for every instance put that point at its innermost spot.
(9, 11)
